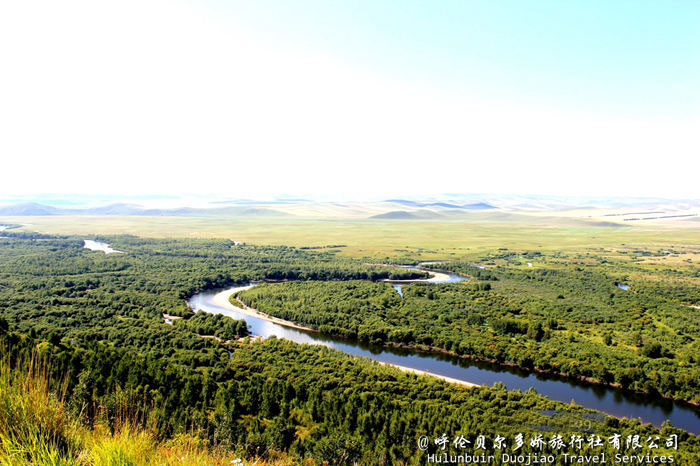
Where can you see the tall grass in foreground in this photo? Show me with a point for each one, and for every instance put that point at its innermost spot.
(34, 426)
(37, 428)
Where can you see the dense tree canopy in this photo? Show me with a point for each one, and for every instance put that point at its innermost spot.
(98, 318)
(560, 317)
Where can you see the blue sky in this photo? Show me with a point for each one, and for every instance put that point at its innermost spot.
(351, 99)
(621, 56)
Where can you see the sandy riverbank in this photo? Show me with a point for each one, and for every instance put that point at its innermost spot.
(438, 277)
(430, 374)
(99, 246)
(222, 299)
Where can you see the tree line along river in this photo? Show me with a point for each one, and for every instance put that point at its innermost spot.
(616, 402)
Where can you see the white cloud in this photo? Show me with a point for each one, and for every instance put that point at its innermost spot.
(157, 97)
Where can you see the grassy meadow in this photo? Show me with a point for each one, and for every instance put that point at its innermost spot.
(468, 235)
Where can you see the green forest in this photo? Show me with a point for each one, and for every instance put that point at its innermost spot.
(97, 321)
(565, 317)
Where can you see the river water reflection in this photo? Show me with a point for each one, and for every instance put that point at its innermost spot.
(609, 400)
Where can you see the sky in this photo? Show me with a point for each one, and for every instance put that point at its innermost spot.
(355, 99)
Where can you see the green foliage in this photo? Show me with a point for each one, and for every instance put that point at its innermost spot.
(55, 288)
(564, 317)
(309, 401)
(37, 427)
(98, 318)
(216, 325)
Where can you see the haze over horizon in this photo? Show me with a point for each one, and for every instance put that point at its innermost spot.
(365, 100)
(134, 204)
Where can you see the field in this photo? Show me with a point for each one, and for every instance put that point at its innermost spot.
(431, 239)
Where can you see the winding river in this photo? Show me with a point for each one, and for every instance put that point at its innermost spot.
(609, 400)
(100, 246)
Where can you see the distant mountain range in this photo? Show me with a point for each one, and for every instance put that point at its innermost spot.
(475, 206)
(416, 210)
(617, 211)
(36, 209)
(404, 215)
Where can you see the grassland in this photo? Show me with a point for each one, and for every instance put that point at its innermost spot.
(435, 239)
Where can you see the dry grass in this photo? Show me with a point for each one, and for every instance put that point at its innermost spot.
(37, 428)
(443, 238)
